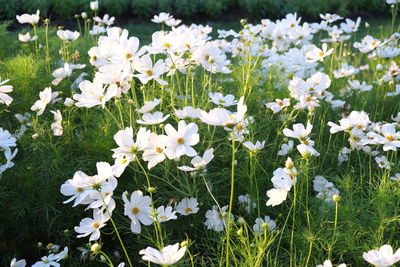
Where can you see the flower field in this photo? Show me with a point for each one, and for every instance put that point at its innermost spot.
(274, 144)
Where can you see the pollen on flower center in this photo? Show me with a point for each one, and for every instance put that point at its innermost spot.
(96, 225)
(135, 210)
(389, 138)
(101, 97)
(167, 45)
(149, 72)
(159, 149)
(163, 217)
(221, 101)
(373, 43)
(79, 189)
(280, 103)
(128, 55)
(180, 141)
(321, 54)
(187, 210)
(311, 89)
(46, 261)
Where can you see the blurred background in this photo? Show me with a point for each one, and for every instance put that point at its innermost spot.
(197, 9)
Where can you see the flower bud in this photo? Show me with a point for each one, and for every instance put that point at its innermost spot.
(336, 198)
(95, 248)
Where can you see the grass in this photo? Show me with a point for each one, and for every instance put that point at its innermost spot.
(309, 230)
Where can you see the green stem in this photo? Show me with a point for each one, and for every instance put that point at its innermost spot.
(116, 230)
(108, 259)
(230, 199)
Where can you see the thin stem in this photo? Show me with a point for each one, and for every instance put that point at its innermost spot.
(108, 258)
(116, 230)
(230, 199)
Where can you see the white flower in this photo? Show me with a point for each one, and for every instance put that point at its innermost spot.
(188, 112)
(68, 35)
(89, 226)
(187, 206)
(40, 105)
(396, 177)
(278, 105)
(15, 263)
(276, 196)
(161, 18)
(328, 263)
(148, 72)
(350, 25)
(93, 94)
(307, 150)
(151, 119)
(261, 224)
(56, 126)
(47, 261)
(149, 106)
(4, 98)
(216, 219)
(94, 5)
(388, 136)
(63, 254)
(254, 147)
(6, 139)
(179, 142)
(105, 20)
(25, 38)
(299, 131)
(246, 202)
(154, 150)
(165, 214)
(383, 163)
(368, 43)
(127, 147)
(346, 70)
(286, 148)
(330, 17)
(315, 54)
(383, 257)
(31, 19)
(363, 87)
(199, 163)
(167, 256)
(219, 99)
(138, 210)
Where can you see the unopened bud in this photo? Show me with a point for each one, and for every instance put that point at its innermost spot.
(336, 198)
(95, 248)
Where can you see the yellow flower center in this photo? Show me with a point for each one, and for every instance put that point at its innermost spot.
(187, 210)
(389, 138)
(321, 54)
(167, 45)
(96, 225)
(135, 210)
(80, 190)
(46, 261)
(128, 55)
(149, 72)
(221, 101)
(163, 217)
(159, 149)
(180, 141)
